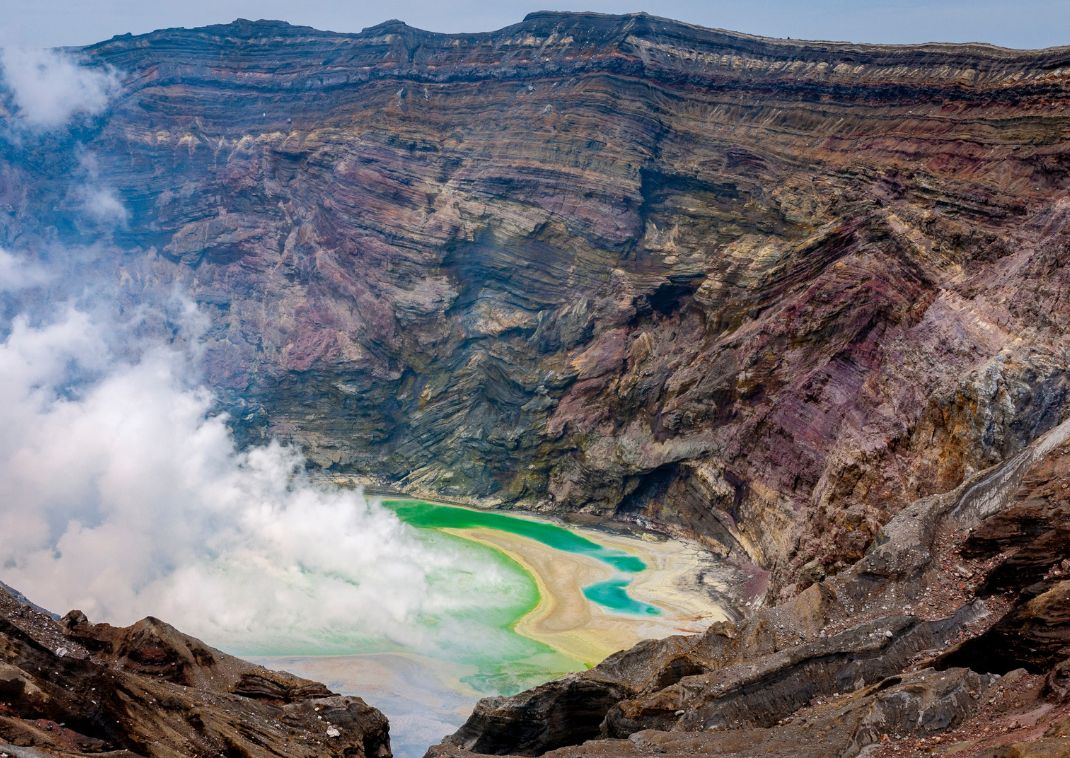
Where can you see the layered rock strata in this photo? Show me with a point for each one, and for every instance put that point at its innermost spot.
(950, 636)
(786, 297)
(763, 292)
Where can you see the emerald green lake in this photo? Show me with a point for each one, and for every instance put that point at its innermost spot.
(464, 641)
(613, 594)
(432, 516)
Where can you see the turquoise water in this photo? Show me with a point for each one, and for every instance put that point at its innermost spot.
(476, 595)
(613, 594)
(431, 516)
(468, 620)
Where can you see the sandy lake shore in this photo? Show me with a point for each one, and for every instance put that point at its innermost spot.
(567, 621)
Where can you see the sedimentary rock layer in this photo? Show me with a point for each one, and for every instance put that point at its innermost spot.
(910, 651)
(765, 292)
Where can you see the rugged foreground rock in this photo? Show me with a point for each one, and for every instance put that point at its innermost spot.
(68, 687)
(762, 292)
(952, 635)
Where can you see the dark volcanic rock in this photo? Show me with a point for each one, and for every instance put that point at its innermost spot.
(837, 670)
(564, 712)
(704, 695)
(1034, 636)
(923, 703)
(765, 292)
(75, 688)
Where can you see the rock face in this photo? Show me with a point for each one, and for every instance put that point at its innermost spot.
(69, 687)
(909, 651)
(762, 292)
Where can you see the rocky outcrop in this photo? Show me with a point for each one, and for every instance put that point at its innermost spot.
(922, 703)
(763, 292)
(69, 687)
(699, 690)
(839, 669)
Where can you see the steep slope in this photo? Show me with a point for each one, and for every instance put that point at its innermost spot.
(764, 292)
(950, 636)
(69, 687)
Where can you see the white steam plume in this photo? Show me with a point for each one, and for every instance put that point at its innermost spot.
(103, 205)
(49, 88)
(126, 496)
(96, 199)
(17, 274)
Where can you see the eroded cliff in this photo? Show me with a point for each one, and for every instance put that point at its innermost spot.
(951, 636)
(760, 291)
(786, 297)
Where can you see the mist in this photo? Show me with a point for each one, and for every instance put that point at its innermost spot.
(48, 88)
(125, 494)
(18, 275)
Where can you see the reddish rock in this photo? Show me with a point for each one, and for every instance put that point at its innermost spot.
(763, 292)
(69, 687)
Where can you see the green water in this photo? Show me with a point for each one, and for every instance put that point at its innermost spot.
(431, 516)
(506, 662)
(472, 598)
(613, 594)
(476, 595)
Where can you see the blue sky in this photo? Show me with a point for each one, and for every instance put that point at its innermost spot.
(1026, 23)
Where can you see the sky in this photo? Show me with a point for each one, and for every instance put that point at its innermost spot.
(1022, 24)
